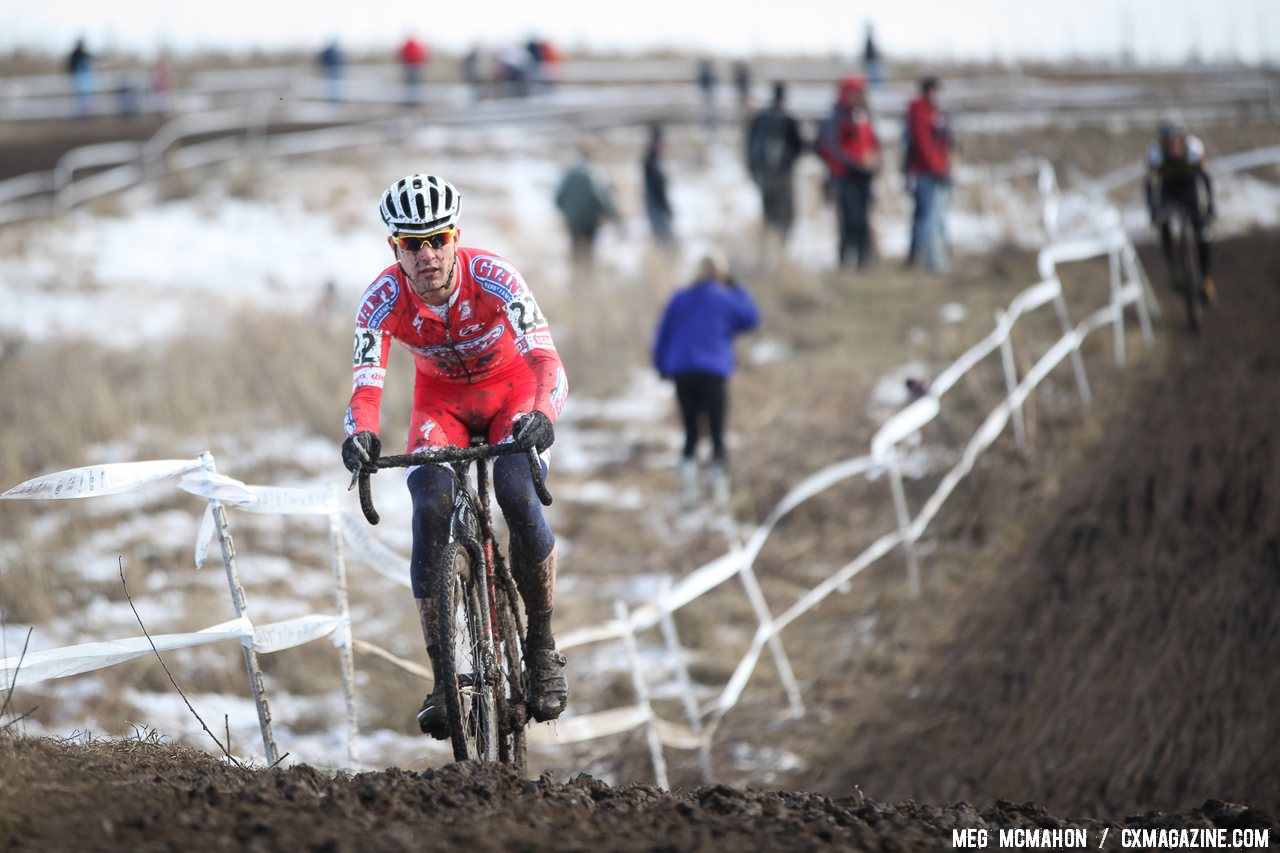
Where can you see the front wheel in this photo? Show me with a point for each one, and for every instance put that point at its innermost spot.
(1189, 268)
(467, 665)
(512, 715)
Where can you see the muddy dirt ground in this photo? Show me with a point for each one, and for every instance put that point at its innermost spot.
(1098, 645)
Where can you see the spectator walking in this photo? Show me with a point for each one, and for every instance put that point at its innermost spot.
(331, 60)
(414, 56)
(162, 84)
(872, 64)
(80, 67)
(472, 72)
(586, 202)
(694, 348)
(928, 169)
(848, 144)
(657, 203)
(774, 144)
(542, 64)
(533, 63)
(707, 85)
(742, 83)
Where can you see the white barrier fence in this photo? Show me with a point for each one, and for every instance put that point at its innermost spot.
(1127, 288)
(116, 166)
(200, 477)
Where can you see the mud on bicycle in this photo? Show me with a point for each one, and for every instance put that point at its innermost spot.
(479, 621)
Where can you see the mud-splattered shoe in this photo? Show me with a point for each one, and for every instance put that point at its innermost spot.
(433, 718)
(547, 690)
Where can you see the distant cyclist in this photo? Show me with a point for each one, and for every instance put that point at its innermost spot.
(1177, 174)
(486, 365)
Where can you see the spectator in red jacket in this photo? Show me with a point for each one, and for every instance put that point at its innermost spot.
(928, 168)
(848, 144)
(414, 55)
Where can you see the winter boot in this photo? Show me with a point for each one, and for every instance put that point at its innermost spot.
(688, 483)
(546, 689)
(433, 718)
(719, 475)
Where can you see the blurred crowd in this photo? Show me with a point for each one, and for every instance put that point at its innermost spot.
(846, 142)
(128, 89)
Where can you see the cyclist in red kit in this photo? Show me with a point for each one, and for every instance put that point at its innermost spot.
(487, 366)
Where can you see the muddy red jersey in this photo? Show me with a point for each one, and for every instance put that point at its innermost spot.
(492, 335)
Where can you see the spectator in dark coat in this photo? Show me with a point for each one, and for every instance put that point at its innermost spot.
(657, 203)
(707, 85)
(80, 67)
(694, 347)
(331, 60)
(774, 145)
(586, 202)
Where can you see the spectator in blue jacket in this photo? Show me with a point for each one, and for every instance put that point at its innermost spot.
(694, 347)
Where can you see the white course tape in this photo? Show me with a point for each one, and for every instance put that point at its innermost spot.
(362, 546)
(1028, 300)
(270, 500)
(219, 487)
(96, 480)
(712, 574)
(614, 721)
(72, 660)
(294, 632)
(204, 536)
(291, 501)
(1069, 251)
(35, 667)
(903, 424)
(590, 726)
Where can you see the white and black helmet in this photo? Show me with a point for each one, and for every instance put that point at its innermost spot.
(420, 204)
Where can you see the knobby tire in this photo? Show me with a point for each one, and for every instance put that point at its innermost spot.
(512, 716)
(466, 655)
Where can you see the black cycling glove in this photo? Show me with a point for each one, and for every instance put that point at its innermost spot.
(360, 452)
(534, 430)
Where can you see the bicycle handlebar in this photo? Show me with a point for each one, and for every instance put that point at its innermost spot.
(444, 456)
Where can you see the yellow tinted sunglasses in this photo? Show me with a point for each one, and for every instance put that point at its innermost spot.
(415, 242)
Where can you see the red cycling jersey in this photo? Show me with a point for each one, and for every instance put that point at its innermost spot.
(491, 359)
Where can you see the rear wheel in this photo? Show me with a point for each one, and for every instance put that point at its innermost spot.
(467, 664)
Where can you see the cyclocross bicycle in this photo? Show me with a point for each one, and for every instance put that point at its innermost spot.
(479, 619)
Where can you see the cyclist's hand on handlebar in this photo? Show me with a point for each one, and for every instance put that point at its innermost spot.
(534, 431)
(360, 452)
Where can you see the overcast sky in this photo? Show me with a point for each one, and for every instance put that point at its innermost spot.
(1150, 30)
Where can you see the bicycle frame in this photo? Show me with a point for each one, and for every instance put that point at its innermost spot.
(478, 604)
